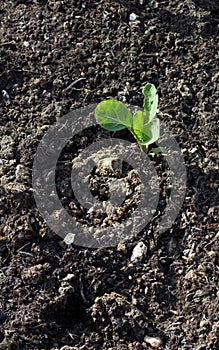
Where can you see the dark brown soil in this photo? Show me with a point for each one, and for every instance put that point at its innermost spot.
(56, 56)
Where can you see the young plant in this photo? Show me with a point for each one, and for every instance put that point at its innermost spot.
(113, 115)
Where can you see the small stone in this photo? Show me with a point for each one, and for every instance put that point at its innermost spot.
(5, 95)
(139, 251)
(26, 44)
(154, 342)
(69, 238)
(132, 17)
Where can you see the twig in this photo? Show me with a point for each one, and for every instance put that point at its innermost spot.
(26, 253)
(7, 43)
(74, 83)
(24, 246)
(26, 71)
(82, 290)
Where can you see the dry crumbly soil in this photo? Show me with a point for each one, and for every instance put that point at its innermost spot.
(57, 56)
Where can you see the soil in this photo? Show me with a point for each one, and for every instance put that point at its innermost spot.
(57, 56)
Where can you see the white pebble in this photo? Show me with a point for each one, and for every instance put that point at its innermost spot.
(69, 238)
(132, 17)
(5, 95)
(139, 251)
(154, 342)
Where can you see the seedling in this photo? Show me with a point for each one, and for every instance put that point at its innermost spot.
(113, 115)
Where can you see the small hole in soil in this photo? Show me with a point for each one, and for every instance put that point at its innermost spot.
(70, 311)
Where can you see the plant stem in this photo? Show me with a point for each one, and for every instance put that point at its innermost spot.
(144, 148)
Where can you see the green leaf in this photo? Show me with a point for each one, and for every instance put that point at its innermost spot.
(157, 150)
(145, 133)
(150, 101)
(151, 132)
(113, 115)
(138, 124)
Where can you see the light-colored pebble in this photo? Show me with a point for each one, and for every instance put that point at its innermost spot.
(139, 251)
(154, 342)
(132, 17)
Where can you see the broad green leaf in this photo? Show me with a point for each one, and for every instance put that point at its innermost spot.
(113, 115)
(151, 132)
(150, 101)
